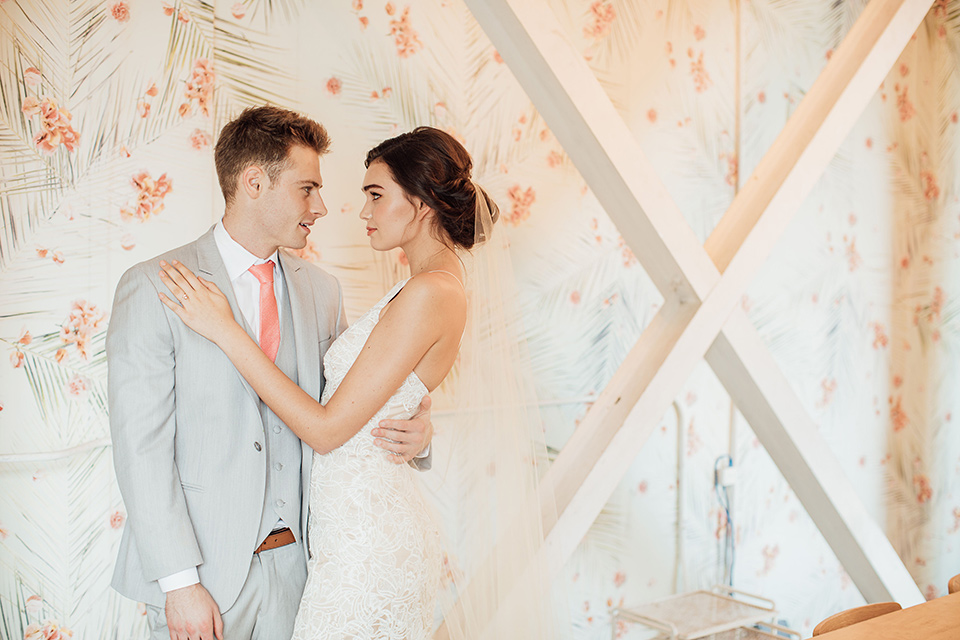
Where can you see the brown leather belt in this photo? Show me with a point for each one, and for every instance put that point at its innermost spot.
(279, 538)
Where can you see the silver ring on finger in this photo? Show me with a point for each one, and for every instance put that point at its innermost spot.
(184, 296)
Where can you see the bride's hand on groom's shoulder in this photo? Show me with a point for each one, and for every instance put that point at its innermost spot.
(405, 440)
(192, 614)
(198, 302)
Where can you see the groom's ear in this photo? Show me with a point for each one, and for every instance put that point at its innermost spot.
(253, 181)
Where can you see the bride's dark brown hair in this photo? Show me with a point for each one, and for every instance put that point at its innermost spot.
(431, 165)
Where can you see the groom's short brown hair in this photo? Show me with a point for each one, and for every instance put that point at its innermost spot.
(263, 136)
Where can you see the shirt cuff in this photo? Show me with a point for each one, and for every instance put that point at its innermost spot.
(425, 453)
(179, 580)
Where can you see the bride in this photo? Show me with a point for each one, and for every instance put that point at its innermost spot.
(375, 559)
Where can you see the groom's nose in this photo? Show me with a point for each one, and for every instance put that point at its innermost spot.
(318, 208)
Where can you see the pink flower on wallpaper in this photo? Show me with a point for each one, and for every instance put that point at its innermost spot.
(33, 605)
(116, 520)
(769, 559)
(652, 115)
(199, 139)
(956, 521)
(402, 258)
(897, 381)
(601, 15)
(921, 485)
(904, 69)
(310, 253)
(183, 15)
(931, 190)
(364, 22)
(334, 86)
(940, 8)
(733, 168)
(626, 253)
(78, 328)
(49, 630)
(701, 79)
(152, 90)
(828, 386)
(150, 195)
(554, 159)
(61, 356)
(619, 578)
(16, 359)
(238, 10)
(31, 76)
(390, 8)
(520, 202)
(497, 57)
(199, 88)
(898, 417)
(386, 93)
(120, 12)
(693, 439)
(57, 257)
(76, 386)
(55, 127)
(4, 532)
(357, 5)
(25, 338)
(904, 106)
(143, 108)
(880, 339)
(168, 8)
(853, 256)
(936, 306)
(128, 242)
(405, 38)
(698, 33)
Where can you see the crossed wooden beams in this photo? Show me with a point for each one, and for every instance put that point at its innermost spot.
(702, 285)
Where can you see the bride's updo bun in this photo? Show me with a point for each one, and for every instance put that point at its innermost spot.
(431, 165)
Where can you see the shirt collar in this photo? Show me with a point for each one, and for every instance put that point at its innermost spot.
(235, 258)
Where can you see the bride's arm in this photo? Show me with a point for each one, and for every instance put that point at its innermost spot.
(413, 323)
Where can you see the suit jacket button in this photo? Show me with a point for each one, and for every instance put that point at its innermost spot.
(256, 445)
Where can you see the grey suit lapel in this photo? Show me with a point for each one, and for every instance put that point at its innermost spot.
(305, 329)
(210, 266)
(306, 334)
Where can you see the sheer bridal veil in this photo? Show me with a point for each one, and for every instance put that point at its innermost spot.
(489, 459)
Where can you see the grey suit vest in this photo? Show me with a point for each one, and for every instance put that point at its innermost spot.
(282, 497)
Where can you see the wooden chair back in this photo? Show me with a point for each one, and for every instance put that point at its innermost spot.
(855, 615)
(954, 585)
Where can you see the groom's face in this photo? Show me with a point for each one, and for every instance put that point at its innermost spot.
(288, 206)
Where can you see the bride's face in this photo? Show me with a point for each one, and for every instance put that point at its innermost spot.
(390, 217)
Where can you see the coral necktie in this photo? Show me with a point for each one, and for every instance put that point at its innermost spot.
(269, 318)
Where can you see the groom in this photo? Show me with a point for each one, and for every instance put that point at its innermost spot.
(215, 485)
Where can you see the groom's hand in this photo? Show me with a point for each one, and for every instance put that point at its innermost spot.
(404, 440)
(193, 615)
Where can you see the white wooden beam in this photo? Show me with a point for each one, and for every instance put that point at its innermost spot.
(580, 115)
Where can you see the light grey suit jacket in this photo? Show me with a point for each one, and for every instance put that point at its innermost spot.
(187, 431)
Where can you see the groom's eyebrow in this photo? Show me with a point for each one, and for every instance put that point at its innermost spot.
(312, 183)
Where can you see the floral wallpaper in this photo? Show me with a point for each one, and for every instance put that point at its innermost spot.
(108, 114)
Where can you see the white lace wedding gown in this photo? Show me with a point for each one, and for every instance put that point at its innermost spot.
(375, 562)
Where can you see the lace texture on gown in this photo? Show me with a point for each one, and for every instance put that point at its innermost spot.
(375, 561)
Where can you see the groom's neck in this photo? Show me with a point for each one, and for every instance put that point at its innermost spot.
(247, 234)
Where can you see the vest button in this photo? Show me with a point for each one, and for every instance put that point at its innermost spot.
(256, 445)
(278, 466)
(276, 428)
(280, 503)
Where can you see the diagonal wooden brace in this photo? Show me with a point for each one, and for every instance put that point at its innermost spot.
(699, 317)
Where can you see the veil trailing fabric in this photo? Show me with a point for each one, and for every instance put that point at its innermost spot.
(490, 458)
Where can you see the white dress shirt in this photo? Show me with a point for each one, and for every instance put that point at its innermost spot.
(246, 289)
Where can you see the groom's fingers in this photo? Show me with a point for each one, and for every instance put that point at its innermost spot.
(218, 625)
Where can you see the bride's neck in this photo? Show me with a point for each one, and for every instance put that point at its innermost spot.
(428, 255)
